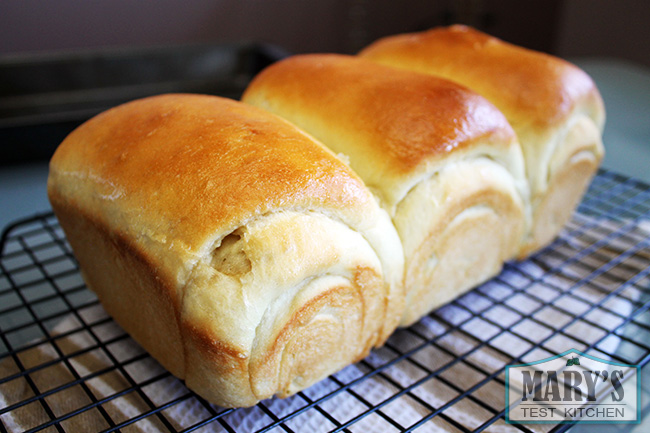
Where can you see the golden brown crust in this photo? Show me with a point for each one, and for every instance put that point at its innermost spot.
(203, 224)
(185, 184)
(533, 89)
(368, 97)
(402, 123)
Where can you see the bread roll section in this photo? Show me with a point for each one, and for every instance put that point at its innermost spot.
(243, 255)
(442, 161)
(553, 106)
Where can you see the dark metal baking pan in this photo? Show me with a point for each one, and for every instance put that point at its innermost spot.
(44, 96)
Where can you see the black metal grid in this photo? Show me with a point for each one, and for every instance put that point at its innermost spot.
(66, 366)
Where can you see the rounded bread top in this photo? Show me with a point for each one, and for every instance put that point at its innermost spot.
(532, 88)
(192, 168)
(400, 122)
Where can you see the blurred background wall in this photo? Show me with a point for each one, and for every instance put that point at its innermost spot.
(564, 27)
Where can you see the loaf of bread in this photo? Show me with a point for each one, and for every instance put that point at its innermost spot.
(250, 260)
(553, 106)
(442, 161)
(242, 254)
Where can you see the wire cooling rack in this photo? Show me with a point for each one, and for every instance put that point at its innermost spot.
(66, 366)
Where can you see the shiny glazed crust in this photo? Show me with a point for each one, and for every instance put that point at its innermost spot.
(443, 161)
(243, 255)
(553, 106)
